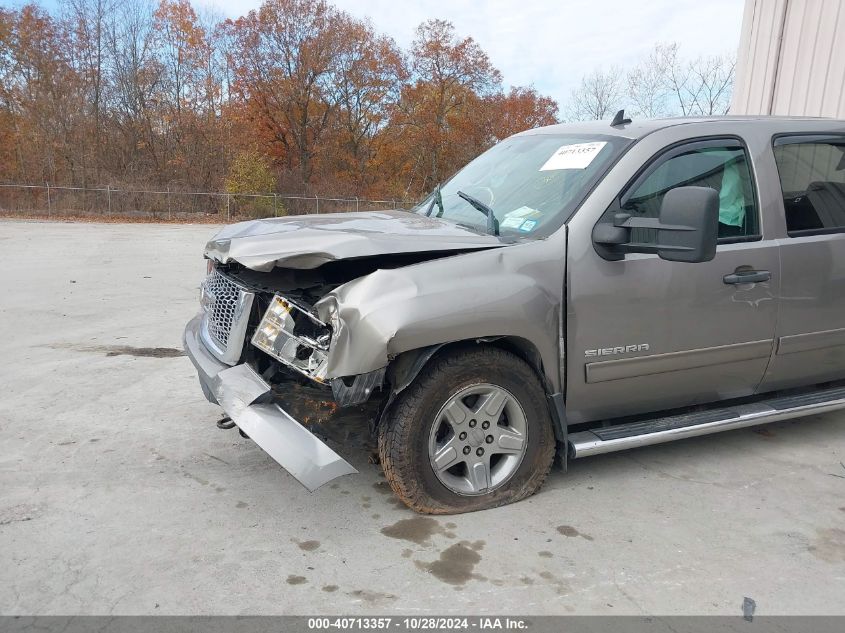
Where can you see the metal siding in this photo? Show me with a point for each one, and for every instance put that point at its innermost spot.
(835, 94)
(791, 59)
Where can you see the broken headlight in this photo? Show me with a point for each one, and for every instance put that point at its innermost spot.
(295, 337)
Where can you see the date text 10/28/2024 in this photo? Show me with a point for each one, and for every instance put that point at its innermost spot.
(418, 623)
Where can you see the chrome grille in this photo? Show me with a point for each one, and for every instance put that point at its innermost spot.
(224, 296)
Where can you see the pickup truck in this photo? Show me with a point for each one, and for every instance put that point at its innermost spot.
(576, 289)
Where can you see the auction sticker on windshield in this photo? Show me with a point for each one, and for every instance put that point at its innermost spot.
(515, 219)
(576, 156)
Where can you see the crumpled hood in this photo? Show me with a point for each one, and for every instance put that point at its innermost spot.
(309, 241)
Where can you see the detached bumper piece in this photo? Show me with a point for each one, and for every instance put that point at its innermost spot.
(247, 400)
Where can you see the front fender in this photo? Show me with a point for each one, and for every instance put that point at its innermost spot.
(513, 291)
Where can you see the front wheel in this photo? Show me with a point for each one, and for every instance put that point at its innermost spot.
(473, 431)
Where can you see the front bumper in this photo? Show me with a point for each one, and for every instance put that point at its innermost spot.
(247, 400)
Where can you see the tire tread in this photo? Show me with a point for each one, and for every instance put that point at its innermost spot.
(395, 432)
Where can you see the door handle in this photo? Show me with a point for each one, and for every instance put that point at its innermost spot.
(747, 277)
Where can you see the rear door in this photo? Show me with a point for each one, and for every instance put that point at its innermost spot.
(811, 328)
(645, 334)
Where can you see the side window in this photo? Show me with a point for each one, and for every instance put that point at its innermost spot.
(723, 167)
(812, 178)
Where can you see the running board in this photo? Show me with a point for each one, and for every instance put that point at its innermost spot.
(676, 427)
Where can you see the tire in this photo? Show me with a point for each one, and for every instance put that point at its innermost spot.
(412, 437)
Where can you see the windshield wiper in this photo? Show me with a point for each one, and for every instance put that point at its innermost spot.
(492, 222)
(438, 199)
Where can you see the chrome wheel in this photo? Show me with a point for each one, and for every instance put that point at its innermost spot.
(478, 439)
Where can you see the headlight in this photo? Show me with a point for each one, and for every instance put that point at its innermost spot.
(295, 337)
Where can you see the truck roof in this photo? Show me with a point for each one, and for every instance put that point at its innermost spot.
(641, 127)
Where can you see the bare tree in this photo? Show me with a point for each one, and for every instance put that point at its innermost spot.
(214, 66)
(711, 83)
(649, 83)
(598, 96)
(661, 84)
(135, 74)
(88, 20)
(699, 87)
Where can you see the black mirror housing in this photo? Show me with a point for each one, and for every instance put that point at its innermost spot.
(687, 229)
(696, 208)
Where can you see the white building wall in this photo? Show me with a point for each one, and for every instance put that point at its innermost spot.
(791, 58)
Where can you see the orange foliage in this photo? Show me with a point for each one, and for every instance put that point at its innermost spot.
(111, 94)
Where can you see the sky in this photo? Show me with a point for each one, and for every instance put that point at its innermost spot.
(550, 44)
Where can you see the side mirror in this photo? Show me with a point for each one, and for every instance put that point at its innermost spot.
(696, 208)
(687, 229)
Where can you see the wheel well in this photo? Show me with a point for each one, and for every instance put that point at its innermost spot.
(528, 352)
(406, 367)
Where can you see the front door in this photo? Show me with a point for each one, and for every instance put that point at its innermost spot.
(645, 334)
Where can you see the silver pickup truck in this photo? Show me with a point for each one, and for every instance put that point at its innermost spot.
(577, 289)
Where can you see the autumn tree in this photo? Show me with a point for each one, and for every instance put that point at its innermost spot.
(249, 173)
(367, 83)
(188, 88)
(41, 93)
(518, 110)
(10, 158)
(451, 77)
(284, 55)
(154, 94)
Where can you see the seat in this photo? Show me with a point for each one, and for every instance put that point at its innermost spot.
(828, 200)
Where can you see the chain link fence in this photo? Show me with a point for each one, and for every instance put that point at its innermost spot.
(112, 202)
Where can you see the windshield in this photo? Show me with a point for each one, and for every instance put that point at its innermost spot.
(531, 183)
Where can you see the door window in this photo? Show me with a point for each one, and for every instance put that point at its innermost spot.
(812, 179)
(722, 166)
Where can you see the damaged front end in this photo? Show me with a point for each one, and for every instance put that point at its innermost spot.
(262, 356)
(264, 342)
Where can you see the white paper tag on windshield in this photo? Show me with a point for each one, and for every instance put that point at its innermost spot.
(576, 156)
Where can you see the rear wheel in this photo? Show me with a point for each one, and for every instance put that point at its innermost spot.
(473, 431)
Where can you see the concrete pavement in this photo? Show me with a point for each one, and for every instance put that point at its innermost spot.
(118, 495)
